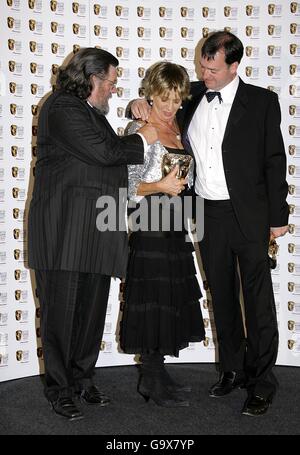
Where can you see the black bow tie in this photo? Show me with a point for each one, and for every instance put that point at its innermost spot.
(210, 96)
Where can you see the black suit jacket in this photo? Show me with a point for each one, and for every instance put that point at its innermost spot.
(253, 157)
(79, 159)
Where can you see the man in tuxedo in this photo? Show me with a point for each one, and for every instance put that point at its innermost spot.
(80, 158)
(233, 131)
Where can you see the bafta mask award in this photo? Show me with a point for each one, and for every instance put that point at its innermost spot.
(170, 160)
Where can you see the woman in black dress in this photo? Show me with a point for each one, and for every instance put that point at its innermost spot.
(162, 312)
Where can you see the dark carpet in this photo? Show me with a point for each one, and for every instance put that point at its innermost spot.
(25, 411)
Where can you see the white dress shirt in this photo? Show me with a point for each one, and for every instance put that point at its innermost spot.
(206, 132)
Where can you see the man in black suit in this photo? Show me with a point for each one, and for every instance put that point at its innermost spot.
(233, 131)
(80, 158)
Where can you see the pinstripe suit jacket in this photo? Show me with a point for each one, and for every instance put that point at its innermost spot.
(79, 159)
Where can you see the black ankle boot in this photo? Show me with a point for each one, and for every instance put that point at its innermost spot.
(173, 386)
(151, 383)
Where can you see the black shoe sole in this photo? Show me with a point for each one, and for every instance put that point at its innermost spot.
(249, 413)
(102, 405)
(212, 395)
(70, 419)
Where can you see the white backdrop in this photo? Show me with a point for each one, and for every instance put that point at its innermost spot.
(36, 37)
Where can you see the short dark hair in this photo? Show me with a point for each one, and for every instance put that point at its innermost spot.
(231, 44)
(75, 77)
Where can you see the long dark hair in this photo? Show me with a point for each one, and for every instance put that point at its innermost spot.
(223, 40)
(75, 77)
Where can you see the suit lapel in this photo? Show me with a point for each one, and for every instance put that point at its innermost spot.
(191, 108)
(238, 109)
(188, 115)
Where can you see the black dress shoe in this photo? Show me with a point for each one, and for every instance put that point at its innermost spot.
(65, 406)
(228, 381)
(92, 395)
(256, 405)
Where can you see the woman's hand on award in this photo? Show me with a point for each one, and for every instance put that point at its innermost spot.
(171, 184)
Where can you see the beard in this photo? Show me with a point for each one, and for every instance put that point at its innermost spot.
(102, 108)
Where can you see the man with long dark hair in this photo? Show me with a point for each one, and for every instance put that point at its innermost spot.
(233, 131)
(79, 159)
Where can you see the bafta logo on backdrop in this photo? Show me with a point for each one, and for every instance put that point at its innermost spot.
(294, 28)
(141, 72)
(75, 28)
(293, 48)
(32, 46)
(10, 22)
(75, 7)
(119, 31)
(141, 52)
(54, 48)
(15, 192)
(291, 267)
(11, 44)
(76, 48)
(183, 11)
(291, 344)
(33, 67)
(291, 189)
(12, 66)
(140, 11)
(16, 235)
(120, 112)
(295, 7)
(162, 52)
(291, 325)
(119, 71)
(119, 51)
(14, 150)
(32, 24)
(162, 32)
(53, 5)
(248, 51)
(97, 30)
(205, 32)
(162, 11)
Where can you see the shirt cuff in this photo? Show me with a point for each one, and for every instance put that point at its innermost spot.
(144, 142)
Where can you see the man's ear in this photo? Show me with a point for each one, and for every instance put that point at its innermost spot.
(93, 79)
(233, 67)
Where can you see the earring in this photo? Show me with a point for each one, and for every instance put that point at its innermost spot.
(150, 102)
(180, 107)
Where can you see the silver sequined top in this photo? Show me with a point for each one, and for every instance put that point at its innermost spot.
(150, 171)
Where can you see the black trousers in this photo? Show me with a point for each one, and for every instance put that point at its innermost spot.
(73, 308)
(253, 348)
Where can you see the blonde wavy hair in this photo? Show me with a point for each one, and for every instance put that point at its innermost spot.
(162, 77)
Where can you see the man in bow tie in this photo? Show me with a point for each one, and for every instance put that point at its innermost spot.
(233, 131)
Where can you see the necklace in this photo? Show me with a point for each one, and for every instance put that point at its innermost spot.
(176, 132)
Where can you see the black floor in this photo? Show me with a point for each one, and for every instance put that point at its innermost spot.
(24, 410)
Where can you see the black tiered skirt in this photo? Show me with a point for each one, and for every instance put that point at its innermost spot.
(162, 310)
